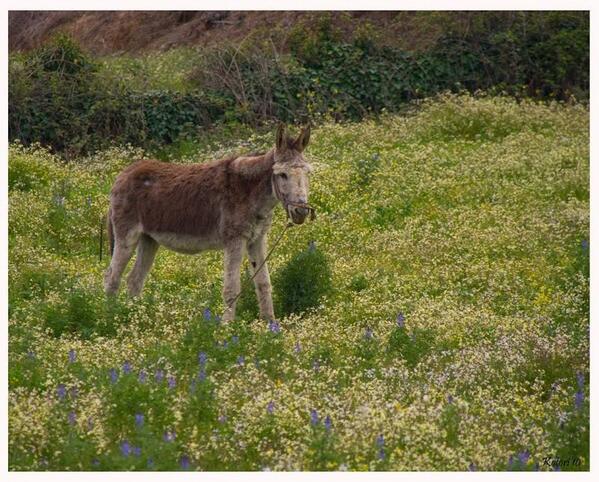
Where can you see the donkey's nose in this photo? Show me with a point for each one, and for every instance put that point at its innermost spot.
(298, 214)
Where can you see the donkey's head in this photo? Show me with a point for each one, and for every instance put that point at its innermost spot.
(290, 173)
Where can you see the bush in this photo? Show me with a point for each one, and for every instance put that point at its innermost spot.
(61, 98)
(303, 282)
(247, 306)
(538, 54)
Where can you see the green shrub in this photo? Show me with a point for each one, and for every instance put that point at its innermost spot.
(302, 282)
(61, 98)
(247, 306)
(539, 54)
(84, 313)
(412, 345)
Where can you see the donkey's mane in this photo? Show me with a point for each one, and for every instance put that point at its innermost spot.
(251, 166)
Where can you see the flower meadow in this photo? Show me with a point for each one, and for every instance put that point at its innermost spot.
(455, 335)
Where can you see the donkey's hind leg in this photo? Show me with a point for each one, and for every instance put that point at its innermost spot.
(146, 252)
(123, 250)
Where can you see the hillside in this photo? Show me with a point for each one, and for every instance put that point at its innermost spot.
(456, 336)
(132, 32)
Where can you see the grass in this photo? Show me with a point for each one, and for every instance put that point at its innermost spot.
(169, 70)
(469, 217)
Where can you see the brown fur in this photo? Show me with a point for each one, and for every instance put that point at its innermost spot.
(190, 199)
(225, 204)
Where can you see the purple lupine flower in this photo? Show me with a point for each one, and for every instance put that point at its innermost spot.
(207, 314)
(127, 367)
(143, 376)
(523, 457)
(580, 379)
(401, 320)
(578, 399)
(241, 360)
(95, 462)
(449, 399)
(139, 419)
(125, 448)
(472, 467)
(171, 381)
(270, 408)
(159, 375)
(510, 462)
(557, 468)
(274, 326)
(297, 347)
(584, 244)
(235, 339)
(380, 440)
(313, 417)
(31, 355)
(150, 463)
(61, 391)
(169, 435)
(202, 374)
(137, 451)
(114, 375)
(381, 453)
(222, 419)
(184, 462)
(72, 356)
(225, 344)
(202, 358)
(328, 423)
(72, 418)
(368, 333)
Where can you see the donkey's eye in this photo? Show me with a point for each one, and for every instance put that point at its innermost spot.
(283, 175)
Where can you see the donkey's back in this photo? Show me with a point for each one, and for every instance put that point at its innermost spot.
(165, 200)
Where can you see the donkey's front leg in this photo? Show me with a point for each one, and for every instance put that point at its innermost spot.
(257, 254)
(233, 257)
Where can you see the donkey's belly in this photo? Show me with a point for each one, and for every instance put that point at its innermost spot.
(185, 243)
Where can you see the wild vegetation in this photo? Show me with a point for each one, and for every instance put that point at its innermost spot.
(444, 326)
(65, 99)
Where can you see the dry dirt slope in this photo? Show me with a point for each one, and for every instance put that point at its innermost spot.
(107, 32)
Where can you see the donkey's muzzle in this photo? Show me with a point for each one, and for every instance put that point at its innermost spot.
(298, 214)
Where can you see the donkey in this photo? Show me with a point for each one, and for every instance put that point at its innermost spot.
(225, 204)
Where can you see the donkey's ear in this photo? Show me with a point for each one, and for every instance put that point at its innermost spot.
(302, 141)
(280, 137)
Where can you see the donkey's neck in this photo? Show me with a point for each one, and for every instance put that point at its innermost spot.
(267, 193)
(255, 173)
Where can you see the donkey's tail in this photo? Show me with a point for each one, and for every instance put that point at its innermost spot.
(110, 232)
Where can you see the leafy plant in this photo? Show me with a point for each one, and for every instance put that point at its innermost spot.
(302, 282)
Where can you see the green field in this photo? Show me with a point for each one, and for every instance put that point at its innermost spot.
(469, 217)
